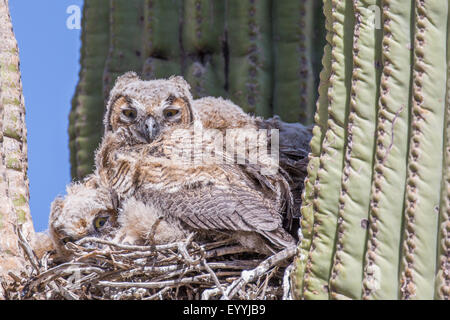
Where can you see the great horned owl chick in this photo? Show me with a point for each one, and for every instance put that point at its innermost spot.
(140, 111)
(135, 158)
(90, 210)
(86, 210)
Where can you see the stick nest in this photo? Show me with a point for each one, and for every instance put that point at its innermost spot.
(104, 270)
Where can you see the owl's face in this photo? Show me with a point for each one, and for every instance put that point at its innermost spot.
(141, 111)
(84, 212)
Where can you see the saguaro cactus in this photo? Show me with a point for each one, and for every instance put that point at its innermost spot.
(376, 202)
(161, 49)
(85, 120)
(14, 189)
(260, 54)
(203, 43)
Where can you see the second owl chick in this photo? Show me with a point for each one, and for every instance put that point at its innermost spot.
(90, 210)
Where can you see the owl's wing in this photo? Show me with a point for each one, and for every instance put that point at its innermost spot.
(226, 208)
(214, 207)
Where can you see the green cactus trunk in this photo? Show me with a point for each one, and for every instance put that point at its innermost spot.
(375, 212)
(203, 39)
(263, 55)
(126, 23)
(294, 83)
(85, 118)
(162, 53)
(250, 66)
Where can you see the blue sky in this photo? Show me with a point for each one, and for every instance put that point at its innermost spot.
(49, 56)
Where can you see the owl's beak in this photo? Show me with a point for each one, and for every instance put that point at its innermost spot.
(151, 129)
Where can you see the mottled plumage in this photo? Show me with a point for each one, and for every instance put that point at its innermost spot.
(90, 210)
(85, 210)
(294, 141)
(230, 197)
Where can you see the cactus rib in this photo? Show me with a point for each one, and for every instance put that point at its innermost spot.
(203, 37)
(126, 34)
(442, 290)
(424, 160)
(86, 115)
(250, 58)
(321, 118)
(385, 220)
(346, 275)
(161, 49)
(294, 91)
(326, 186)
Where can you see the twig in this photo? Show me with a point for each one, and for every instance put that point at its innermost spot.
(251, 275)
(287, 292)
(156, 285)
(216, 281)
(27, 248)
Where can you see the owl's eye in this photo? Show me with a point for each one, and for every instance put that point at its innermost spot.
(66, 240)
(168, 113)
(100, 222)
(130, 113)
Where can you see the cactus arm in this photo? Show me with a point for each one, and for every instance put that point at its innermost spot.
(161, 37)
(294, 90)
(389, 177)
(85, 119)
(126, 34)
(327, 184)
(250, 55)
(425, 160)
(203, 38)
(320, 118)
(346, 275)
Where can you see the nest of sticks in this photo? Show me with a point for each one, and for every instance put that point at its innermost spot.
(105, 270)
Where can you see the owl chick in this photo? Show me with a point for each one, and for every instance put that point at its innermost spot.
(86, 210)
(135, 158)
(90, 210)
(139, 112)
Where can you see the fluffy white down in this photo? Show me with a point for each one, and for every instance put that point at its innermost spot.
(142, 223)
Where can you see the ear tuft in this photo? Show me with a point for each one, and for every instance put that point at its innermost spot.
(180, 81)
(56, 207)
(130, 75)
